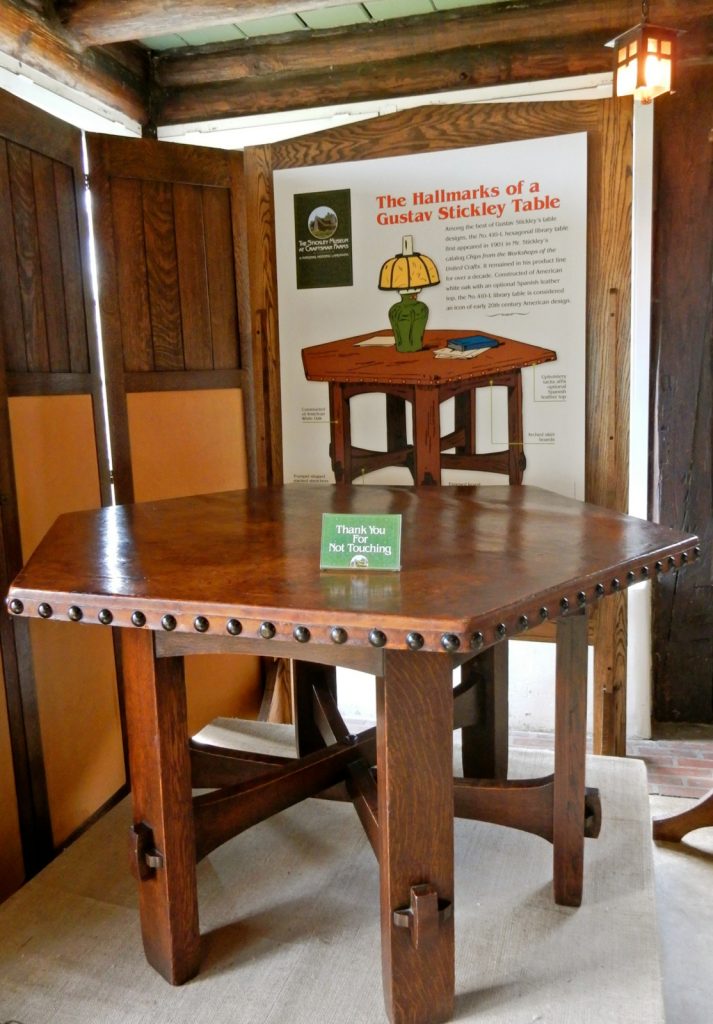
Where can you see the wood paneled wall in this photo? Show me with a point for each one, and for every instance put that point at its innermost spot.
(682, 393)
(48, 357)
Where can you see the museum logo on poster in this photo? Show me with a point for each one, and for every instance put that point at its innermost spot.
(323, 239)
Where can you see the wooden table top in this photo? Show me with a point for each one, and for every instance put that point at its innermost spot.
(475, 560)
(344, 361)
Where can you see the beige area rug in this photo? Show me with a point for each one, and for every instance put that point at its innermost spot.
(289, 912)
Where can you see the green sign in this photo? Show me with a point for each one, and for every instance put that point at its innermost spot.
(323, 239)
(360, 542)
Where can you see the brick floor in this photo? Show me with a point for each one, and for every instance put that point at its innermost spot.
(679, 762)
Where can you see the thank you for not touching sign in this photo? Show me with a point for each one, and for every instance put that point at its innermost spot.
(360, 542)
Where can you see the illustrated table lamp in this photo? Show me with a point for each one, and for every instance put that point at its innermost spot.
(408, 272)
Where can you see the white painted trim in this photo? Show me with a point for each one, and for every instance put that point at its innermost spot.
(639, 705)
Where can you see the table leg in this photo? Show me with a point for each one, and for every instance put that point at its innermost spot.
(163, 834)
(395, 423)
(340, 432)
(570, 755)
(485, 737)
(465, 420)
(516, 448)
(676, 826)
(415, 799)
(426, 436)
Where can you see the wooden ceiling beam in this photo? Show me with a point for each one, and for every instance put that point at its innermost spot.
(117, 80)
(437, 72)
(403, 38)
(352, 76)
(96, 22)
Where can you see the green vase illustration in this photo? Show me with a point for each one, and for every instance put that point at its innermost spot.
(408, 322)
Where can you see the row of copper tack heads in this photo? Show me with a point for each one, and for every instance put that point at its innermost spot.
(450, 642)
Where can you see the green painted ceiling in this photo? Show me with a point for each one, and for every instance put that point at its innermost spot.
(326, 17)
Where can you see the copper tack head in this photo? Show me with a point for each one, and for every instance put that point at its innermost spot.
(450, 642)
(169, 623)
(476, 641)
(75, 613)
(44, 610)
(16, 606)
(301, 634)
(105, 617)
(414, 641)
(234, 627)
(377, 638)
(138, 618)
(201, 624)
(338, 635)
(267, 630)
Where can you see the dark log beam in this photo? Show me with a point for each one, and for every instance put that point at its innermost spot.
(508, 42)
(117, 79)
(424, 72)
(407, 38)
(95, 22)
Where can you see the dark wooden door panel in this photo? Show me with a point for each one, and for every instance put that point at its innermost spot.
(48, 350)
(173, 284)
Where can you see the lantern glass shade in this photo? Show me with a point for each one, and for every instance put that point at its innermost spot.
(644, 62)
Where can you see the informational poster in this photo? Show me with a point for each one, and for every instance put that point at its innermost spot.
(492, 243)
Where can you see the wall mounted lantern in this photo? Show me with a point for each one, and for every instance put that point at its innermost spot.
(644, 59)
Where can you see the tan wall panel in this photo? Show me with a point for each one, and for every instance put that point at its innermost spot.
(12, 871)
(193, 442)
(56, 471)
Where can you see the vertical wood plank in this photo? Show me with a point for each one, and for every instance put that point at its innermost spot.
(426, 434)
(222, 302)
(50, 263)
(415, 742)
(241, 269)
(132, 286)
(28, 258)
(570, 755)
(485, 739)
(161, 795)
(192, 277)
(608, 381)
(12, 332)
(682, 393)
(73, 276)
(20, 690)
(162, 274)
(106, 241)
(260, 230)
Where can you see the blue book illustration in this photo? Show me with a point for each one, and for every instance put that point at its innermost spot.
(473, 341)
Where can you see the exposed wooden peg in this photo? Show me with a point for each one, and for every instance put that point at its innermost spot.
(144, 858)
(424, 915)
